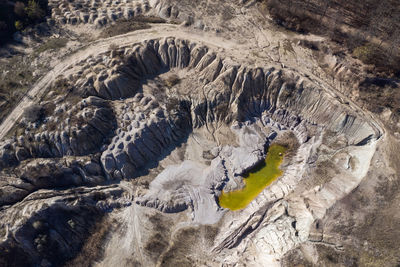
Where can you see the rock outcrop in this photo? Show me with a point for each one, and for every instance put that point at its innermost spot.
(219, 93)
(99, 13)
(80, 130)
(51, 226)
(187, 185)
(36, 174)
(146, 134)
(219, 116)
(224, 92)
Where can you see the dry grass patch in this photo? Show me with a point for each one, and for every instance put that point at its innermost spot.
(52, 44)
(93, 248)
(124, 26)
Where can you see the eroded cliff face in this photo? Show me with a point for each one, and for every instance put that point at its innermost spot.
(127, 167)
(197, 136)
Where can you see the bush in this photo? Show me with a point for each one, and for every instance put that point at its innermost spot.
(113, 47)
(34, 113)
(19, 25)
(34, 11)
(173, 104)
(51, 44)
(123, 26)
(385, 62)
(19, 9)
(172, 80)
(27, 12)
(365, 53)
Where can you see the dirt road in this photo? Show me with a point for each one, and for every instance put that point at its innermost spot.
(237, 49)
(100, 46)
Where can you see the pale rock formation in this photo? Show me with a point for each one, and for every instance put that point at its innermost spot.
(56, 221)
(123, 130)
(146, 134)
(83, 130)
(98, 13)
(36, 174)
(189, 184)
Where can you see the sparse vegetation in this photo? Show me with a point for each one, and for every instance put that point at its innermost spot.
(115, 52)
(34, 113)
(172, 80)
(124, 26)
(61, 86)
(227, 13)
(380, 93)
(373, 38)
(16, 15)
(19, 25)
(16, 78)
(93, 248)
(12, 255)
(365, 53)
(51, 44)
(34, 11)
(173, 104)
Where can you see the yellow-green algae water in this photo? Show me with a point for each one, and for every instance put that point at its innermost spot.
(256, 180)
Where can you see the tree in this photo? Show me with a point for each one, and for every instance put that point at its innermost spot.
(19, 9)
(34, 11)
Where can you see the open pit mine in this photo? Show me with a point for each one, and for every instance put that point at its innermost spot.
(191, 142)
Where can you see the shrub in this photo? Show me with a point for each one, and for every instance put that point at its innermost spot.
(365, 53)
(173, 104)
(19, 9)
(51, 44)
(34, 113)
(113, 47)
(123, 26)
(34, 11)
(172, 80)
(115, 52)
(227, 14)
(27, 12)
(19, 25)
(62, 83)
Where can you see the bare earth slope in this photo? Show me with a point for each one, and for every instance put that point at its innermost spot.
(140, 133)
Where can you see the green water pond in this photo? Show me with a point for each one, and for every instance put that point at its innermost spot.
(256, 180)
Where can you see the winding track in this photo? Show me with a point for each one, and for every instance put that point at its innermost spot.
(63, 66)
(100, 46)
